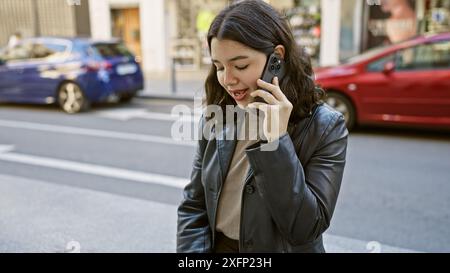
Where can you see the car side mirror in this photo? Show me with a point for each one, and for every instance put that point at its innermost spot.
(2, 62)
(389, 67)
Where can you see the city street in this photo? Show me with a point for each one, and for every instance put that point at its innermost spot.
(110, 180)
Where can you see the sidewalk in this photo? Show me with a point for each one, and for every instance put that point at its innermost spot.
(188, 85)
(104, 222)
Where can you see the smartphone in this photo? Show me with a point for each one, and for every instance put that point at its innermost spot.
(275, 67)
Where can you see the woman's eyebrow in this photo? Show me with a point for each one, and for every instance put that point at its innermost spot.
(232, 59)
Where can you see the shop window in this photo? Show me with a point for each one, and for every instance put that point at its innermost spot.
(389, 23)
(186, 54)
(437, 16)
(350, 28)
(305, 23)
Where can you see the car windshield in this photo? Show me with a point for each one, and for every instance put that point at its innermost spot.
(111, 50)
(365, 55)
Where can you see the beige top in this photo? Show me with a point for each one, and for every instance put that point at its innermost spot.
(229, 207)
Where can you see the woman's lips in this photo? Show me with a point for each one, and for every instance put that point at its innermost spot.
(239, 95)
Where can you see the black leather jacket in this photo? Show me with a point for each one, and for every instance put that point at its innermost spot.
(289, 194)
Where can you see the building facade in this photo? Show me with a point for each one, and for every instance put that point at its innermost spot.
(163, 33)
(354, 26)
(43, 18)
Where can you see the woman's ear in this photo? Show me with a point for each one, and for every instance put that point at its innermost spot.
(280, 50)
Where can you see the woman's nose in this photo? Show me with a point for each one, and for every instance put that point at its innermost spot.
(229, 78)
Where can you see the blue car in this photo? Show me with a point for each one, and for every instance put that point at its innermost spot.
(71, 72)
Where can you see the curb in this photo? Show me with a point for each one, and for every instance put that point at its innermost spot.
(166, 95)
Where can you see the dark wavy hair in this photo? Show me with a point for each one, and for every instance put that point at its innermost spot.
(258, 25)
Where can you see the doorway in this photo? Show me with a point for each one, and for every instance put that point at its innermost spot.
(126, 25)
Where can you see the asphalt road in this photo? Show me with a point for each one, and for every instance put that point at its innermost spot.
(110, 180)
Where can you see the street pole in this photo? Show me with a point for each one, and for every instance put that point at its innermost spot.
(173, 77)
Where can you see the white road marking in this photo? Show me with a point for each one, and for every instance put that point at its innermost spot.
(93, 132)
(125, 114)
(6, 148)
(93, 169)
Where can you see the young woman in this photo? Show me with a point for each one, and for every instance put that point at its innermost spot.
(242, 197)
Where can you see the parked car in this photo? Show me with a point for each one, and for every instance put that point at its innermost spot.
(402, 84)
(72, 72)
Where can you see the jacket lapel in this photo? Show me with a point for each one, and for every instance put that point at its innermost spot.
(225, 149)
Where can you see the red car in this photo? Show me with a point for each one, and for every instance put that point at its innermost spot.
(402, 84)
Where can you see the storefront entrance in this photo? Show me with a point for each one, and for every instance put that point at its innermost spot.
(126, 25)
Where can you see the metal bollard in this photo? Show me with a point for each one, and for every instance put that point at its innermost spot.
(173, 77)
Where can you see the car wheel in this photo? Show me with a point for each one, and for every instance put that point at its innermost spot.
(72, 99)
(343, 105)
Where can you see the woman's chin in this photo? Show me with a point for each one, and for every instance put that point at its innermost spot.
(244, 103)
